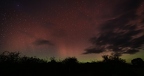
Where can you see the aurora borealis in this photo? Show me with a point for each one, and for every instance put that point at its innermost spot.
(60, 28)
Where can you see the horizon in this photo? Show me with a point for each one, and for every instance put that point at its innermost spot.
(79, 60)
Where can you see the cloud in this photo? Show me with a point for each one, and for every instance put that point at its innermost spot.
(126, 6)
(93, 50)
(42, 42)
(118, 22)
(124, 39)
(132, 51)
(119, 35)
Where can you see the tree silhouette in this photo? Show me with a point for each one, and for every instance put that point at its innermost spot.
(137, 62)
(112, 59)
(52, 60)
(14, 57)
(9, 57)
(28, 60)
(70, 60)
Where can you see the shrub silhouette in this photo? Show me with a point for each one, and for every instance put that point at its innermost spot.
(70, 60)
(9, 57)
(137, 62)
(30, 60)
(52, 60)
(14, 57)
(113, 59)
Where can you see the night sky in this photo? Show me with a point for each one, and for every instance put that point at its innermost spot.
(63, 28)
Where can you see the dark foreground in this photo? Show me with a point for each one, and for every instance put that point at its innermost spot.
(12, 64)
(58, 69)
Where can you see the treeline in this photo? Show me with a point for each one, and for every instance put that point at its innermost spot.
(11, 63)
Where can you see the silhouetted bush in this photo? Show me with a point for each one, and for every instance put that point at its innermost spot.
(53, 60)
(137, 62)
(31, 60)
(9, 57)
(70, 60)
(113, 59)
(14, 57)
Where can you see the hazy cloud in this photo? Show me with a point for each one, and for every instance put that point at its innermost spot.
(119, 35)
(93, 50)
(42, 42)
(127, 6)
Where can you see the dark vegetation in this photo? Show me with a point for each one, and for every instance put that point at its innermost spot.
(12, 64)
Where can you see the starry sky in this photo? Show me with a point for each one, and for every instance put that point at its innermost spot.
(63, 28)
